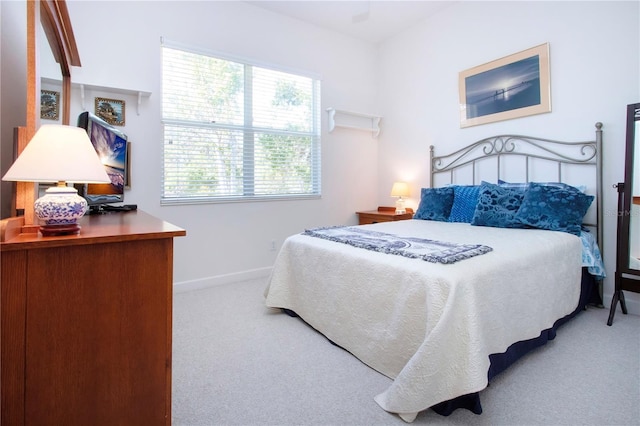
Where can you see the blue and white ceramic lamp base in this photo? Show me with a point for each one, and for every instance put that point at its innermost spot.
(59, 209)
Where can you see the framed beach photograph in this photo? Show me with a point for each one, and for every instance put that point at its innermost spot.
(111, 110)
(511, 87)
(49, 105)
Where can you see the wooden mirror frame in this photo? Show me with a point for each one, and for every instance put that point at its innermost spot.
(626, 278)
(53, 15)
(633, 115)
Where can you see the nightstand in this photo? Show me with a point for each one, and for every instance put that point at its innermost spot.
(383, 214)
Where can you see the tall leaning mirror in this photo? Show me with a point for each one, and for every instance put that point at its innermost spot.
(56, 25)
(627, 276)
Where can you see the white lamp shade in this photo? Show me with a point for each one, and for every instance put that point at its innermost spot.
(400, 189)
(58, 153)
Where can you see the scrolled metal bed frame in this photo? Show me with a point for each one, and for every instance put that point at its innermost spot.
(495, 148)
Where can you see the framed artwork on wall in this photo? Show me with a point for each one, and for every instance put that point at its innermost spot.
(515, 86)
(111, 110)
(49, 105)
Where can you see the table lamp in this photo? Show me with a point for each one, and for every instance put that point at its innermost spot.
(400, 189)
(59, 153)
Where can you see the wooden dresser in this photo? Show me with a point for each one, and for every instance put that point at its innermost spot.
(86, 323)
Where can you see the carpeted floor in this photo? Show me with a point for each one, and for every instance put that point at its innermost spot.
(236, 362)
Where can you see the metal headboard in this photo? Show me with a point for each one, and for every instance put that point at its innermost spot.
(530, 149)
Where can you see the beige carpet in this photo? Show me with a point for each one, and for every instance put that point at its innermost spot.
(235, 362)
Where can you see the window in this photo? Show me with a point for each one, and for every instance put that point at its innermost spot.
(235, 131)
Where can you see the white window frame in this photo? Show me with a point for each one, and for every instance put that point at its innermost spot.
(248, 139)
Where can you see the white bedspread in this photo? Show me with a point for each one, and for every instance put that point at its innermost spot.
(430, 327)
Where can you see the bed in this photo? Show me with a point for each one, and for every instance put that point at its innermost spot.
(432, 302)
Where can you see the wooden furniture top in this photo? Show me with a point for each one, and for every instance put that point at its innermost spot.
(386, 211)
(101, 228)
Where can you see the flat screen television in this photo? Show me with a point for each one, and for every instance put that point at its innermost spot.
(111, 146)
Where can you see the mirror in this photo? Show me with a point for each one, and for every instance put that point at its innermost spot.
(56, 24)
(50, 81)
(630, 213)
(627, 276)
(54, 17)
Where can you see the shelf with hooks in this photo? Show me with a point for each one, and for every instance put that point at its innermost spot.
(82, 87)
(354, 120)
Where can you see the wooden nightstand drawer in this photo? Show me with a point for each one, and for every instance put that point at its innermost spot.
(383, 214)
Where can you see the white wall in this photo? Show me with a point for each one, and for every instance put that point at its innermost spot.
(594, 61)
(229, 241)
(411, 80)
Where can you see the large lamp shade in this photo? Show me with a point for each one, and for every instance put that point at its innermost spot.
(59, 153)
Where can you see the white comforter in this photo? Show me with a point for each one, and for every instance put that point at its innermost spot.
(430, 327)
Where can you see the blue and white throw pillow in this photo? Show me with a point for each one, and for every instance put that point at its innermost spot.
(435, 204)
(524, 185)
(465, 198)
(553, 208)
(497, 206)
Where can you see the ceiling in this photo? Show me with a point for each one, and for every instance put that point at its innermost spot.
(372, 21)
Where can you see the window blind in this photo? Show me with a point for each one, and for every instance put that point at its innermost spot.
(236, 131)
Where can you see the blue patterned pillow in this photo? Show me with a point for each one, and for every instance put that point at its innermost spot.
(465, 198)
(497, 206)
(435, 204)
(556, 209)
(524, 185)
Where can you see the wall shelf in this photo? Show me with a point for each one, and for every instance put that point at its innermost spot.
(82, 87)
(354, 120)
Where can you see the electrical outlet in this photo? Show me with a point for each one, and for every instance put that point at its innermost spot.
(273, 245)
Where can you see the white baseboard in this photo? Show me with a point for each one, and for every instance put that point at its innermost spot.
(202, 283)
